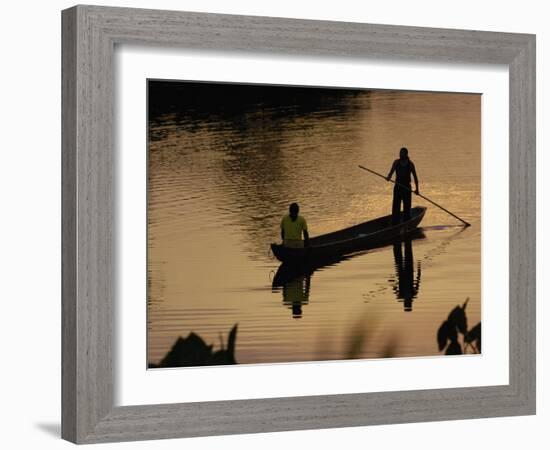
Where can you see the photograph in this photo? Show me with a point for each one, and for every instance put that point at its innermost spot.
(294, 224)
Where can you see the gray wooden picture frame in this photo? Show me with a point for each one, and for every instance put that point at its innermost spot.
(88, 44)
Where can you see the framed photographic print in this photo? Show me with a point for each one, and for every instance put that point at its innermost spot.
(268, 222)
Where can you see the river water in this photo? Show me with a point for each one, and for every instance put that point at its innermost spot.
(225, 161)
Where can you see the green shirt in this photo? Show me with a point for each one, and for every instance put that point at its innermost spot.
(293, 228)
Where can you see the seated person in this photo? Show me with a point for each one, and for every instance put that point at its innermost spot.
(292, 227)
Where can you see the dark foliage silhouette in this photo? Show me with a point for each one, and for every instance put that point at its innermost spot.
(193, 351)
(453, 335)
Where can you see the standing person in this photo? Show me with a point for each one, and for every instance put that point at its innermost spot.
(292, 228)
(403, 168)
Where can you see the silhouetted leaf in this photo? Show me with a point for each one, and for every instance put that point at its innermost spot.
(190, 351)
(443, 335)
(454, 349)
(355, 346)
(231, 339)
(457, 317)
(456, 322)
(359, 338)
(193, 351)
(389, 350)
(474, 336)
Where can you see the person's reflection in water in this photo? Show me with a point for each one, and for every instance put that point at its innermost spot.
(406, 287)
(296, 294)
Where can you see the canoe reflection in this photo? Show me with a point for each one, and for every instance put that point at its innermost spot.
(406, 285)
(294, 280)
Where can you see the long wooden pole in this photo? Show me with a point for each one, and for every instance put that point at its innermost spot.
(420, 195)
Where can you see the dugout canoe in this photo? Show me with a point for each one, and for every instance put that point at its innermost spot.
(288, 271)
(364, 236)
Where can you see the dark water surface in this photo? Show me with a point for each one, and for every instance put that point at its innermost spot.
(225, 162)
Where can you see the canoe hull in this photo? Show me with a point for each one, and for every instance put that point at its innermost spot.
(288, 271)
(365, 236)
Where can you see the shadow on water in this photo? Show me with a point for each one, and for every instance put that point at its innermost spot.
(453, 335)
(405, 285)
(193, 351)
